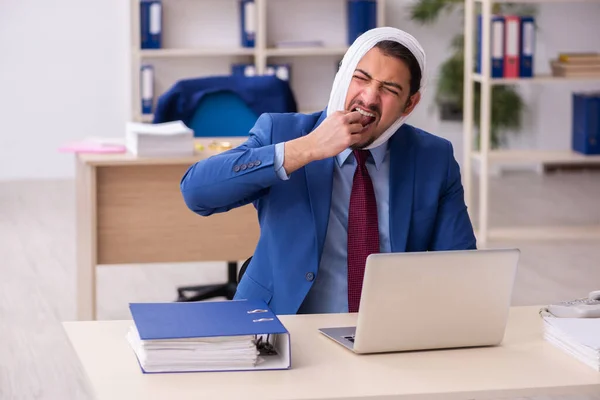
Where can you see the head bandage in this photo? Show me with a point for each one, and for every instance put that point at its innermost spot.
(355, 53)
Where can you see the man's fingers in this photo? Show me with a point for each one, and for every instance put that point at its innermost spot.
(355, 128)
(352, 117)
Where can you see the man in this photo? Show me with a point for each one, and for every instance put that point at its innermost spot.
(333, 187)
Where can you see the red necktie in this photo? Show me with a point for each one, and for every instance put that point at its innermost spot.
(363, 228)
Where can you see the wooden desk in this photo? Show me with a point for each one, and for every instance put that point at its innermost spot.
(524, 365)
(130, 210)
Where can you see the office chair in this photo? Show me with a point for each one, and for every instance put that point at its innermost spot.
(243, 269)
(220, 290)
(228, 107)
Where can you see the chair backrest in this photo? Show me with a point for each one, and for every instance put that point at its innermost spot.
(214, 108)
(243, 269)
(224, 105)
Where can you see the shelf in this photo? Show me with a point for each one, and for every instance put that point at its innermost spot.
(538, 156)
(306, 51)
(582, 232)
(200, 52)
(536, 79)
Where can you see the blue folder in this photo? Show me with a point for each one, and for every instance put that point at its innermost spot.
(173, 321)
(496, 45)
(248, 22)
(585, 137)
(151, 24)
(526, 46)
(361, 16)
(243, 69)
(147, 88)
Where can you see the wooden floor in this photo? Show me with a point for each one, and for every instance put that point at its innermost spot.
(37, 272)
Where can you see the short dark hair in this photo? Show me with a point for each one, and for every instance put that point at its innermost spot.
(394, 49)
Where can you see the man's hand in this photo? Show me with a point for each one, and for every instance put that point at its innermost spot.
(335, 134)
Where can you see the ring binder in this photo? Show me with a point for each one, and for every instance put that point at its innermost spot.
(208, 336)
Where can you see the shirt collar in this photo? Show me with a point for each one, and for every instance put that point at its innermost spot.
(378, 154)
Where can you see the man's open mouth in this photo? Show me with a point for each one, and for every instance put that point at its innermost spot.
(367, 118)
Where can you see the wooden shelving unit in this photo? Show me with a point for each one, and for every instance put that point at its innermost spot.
(260, 54)
(485, 156)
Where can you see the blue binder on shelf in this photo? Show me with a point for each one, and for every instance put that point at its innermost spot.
(147, 88)
(151, 24)
(242, 69)
(586, 123)
(527, 46)
(248, 22)
(361, 17)
(216, 328)
(496, 45)
(282, 71)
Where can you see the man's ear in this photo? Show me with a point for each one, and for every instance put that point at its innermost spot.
(411, 103)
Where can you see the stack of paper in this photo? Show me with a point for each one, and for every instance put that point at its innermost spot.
(188, 355)
(576, 65)
(579, 337)
(170, 139)
(208, 336)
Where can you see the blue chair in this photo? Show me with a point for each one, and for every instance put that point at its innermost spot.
(217, 107)
(189, 99)
(204, 104)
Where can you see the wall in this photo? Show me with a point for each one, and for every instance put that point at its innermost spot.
(64, 70)
(63, 76)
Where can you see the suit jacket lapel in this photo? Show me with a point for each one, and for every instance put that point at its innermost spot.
(402, 175)
(319, 180)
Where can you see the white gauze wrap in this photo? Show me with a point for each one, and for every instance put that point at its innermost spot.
(355, 53)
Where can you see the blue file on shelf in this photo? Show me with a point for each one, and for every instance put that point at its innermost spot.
(248, 22)
(527, 47)
(282, 71)
(243, 70)
(496, 45)
(151, 24)
(147, 88)
(586, 123)
(362, 16)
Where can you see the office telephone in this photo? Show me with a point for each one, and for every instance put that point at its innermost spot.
(587, 307)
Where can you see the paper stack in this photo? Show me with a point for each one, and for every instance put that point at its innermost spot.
(579, 337)
(208, 336)
(170, 139)
(572, 65)
(193, 354)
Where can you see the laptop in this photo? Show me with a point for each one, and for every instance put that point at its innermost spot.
(432, 300)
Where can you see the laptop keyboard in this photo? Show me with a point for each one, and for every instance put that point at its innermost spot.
(349, 338)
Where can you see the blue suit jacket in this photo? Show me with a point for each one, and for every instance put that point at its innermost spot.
(427, 209)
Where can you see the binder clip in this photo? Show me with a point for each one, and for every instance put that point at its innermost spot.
(265, 347)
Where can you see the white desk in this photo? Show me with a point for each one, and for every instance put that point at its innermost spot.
(525, 365)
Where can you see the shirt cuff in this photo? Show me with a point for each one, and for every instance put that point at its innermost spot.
(279, 159)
